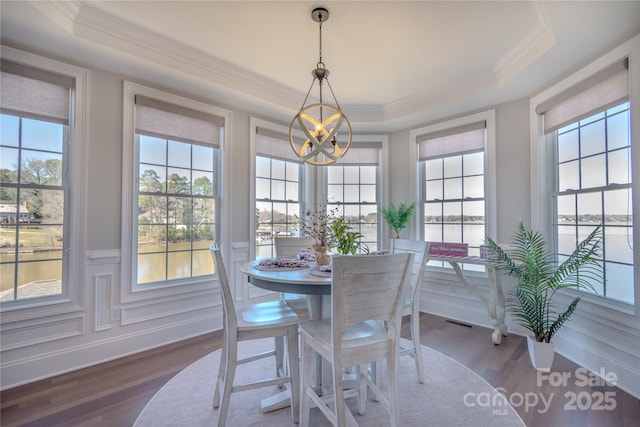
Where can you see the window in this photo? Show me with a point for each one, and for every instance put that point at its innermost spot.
(589, 128)
(279, 183)
(456, 182)
(177, 148)
(452, 166)
(352, 190)
(35, 179)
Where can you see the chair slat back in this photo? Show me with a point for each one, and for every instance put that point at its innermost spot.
(230, 318)
(366, 287)
(419, 249)
(291, 246)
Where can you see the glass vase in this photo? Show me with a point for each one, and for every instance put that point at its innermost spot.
(321, 255)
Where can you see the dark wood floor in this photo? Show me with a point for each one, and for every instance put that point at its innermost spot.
(113, 394)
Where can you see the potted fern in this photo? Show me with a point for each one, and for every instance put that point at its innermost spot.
(539, 277)
(398, 218)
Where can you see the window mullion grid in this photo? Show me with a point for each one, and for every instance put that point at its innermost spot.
(603, 247)
(580, 158)
(166, 214)
(606, 151)
(271, 196)
(442, 183)
(191, 212)
(18, 198)
(360, 198)
(360, 202)
(462, 184)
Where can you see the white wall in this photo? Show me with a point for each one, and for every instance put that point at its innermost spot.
(513, 177)
(105, 328)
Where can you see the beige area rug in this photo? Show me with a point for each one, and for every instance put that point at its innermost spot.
(452, 396)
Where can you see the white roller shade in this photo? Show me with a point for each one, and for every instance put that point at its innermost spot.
(35, 93)
(169, 121)
(361, 154)
(599, 92)
(275, 145)
(454, 141)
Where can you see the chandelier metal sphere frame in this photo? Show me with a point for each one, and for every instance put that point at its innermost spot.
(327, 131)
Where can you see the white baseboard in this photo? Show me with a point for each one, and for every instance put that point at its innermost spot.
(606, 349)
(36, 367)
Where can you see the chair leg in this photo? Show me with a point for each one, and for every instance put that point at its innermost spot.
(417, 349)
(227, 383)
(377, 377)
(338, 394)
(294, 372)
(392, 377)
(362, 388)
(307, 369)
(221, 370)
(280, 365)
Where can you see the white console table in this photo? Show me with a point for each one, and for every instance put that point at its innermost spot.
(495, 302)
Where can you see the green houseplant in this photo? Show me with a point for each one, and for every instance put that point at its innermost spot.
(539, 277)
(345, 240)
(398, 218)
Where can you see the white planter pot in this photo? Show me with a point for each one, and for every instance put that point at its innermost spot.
(541, 354)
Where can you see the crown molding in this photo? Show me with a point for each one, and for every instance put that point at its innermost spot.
(118, 37)
(532, 47)
(63, 13)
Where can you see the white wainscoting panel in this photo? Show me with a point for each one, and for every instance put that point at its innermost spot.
(26, 334)
(103, 302)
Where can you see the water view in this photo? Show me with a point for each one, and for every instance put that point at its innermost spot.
(40, 271)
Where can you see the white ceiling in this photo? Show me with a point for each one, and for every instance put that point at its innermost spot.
(393, 64)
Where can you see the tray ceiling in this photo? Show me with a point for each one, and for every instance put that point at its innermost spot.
(393, 64)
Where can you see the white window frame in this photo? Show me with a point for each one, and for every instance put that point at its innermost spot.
(293, 226)
(542, 158)
(130, 203)
(306, 178)
(382, 179)
(490, 191)
(70, 300)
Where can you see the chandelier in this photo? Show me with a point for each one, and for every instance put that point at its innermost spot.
(327, 131)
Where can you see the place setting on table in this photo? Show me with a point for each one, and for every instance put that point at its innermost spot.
(321, 271)
(296, 274)
(281, 264)
(304, 259)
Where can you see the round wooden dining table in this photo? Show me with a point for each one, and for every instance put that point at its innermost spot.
(308, 280)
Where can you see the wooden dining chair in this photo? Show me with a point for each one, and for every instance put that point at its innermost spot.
(264, 320)
(411, 306)
(366, 311)
(290, 247)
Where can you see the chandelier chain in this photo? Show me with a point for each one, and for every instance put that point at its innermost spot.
(334, 95)
(308, 92)
(320, 44)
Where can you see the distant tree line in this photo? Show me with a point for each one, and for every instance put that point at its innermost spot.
(44, 205)
(175, 209)
(275, 217)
